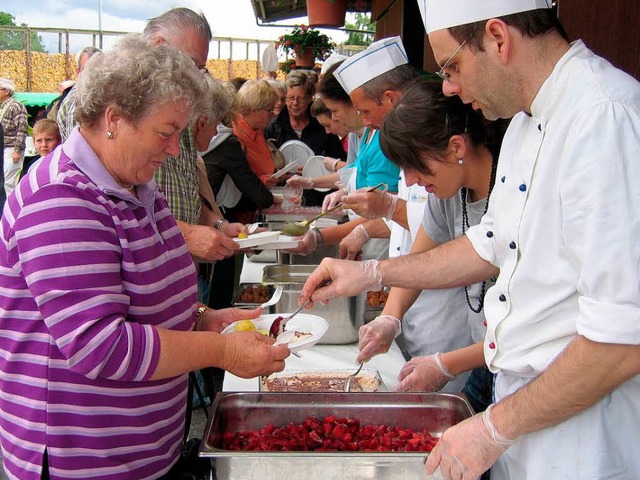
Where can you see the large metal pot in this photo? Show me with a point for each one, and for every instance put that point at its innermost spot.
(344, 314)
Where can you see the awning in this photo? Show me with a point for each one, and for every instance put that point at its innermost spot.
(35, 99)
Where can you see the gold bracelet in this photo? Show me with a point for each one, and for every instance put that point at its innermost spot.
(199, 313)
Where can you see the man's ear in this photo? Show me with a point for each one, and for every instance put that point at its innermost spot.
(497, 40)
(392, 96)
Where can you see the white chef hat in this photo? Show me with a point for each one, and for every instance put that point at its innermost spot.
(332, 60)
(7, 84)
(376, 59)
(441, 14)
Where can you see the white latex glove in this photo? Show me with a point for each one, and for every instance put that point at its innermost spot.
(298, 181)
(376, 336)
(468, 449)
(331, 164)
(333, 199)
(308, 243)
(351, 246)
(424, 374)
(347, 280)
(371, 205)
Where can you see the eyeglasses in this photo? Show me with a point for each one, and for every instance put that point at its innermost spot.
(441, 73)
(296, 99)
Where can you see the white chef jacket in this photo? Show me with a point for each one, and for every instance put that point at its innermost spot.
(437, 321)
(563, 226)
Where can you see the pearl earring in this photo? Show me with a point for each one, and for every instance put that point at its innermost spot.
(460, 161)
(110, 135)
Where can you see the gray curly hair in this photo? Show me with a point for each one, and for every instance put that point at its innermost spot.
(137, 78)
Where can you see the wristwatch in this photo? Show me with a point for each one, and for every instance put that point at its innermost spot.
(218, 224)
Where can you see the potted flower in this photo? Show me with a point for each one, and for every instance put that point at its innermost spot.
(331, 13)
(307, 44)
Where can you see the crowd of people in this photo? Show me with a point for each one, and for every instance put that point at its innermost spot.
(495, 199)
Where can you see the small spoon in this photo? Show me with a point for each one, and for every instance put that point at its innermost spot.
(274, 298)
(347, 383)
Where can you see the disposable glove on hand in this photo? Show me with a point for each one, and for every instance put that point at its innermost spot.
(424, 374)
(308, 243)
(376, 204)
(298, 181)
(376, 336)
(333, 199)
(468, 449)
(331, 164)
(351, 246)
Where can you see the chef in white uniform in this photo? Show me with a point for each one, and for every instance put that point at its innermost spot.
(563, 335)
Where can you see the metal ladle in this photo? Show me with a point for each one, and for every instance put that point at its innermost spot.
(296, 229)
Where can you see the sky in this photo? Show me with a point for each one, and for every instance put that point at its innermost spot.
(228, 18)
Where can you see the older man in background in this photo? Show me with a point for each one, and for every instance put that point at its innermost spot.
(207, 235)
(66, 111)
(13, 116)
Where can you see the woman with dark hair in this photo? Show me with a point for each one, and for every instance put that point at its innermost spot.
(452, 151)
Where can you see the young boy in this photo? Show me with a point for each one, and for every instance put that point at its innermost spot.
(46, 137)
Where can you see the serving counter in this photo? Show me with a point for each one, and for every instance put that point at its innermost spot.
(319, 357)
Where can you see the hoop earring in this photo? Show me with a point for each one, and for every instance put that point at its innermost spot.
(110, 135)
(460, 161)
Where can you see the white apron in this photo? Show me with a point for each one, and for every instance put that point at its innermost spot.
(589, 446)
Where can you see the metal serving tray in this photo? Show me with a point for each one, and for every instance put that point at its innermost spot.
(239, 302)
(232, 412)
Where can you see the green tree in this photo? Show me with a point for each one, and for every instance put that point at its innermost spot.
(15, 40)
(362, 21)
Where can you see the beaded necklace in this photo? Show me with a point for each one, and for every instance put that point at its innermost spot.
(465, 226)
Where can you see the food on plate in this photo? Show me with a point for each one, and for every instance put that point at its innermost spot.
(320, 382)
(245, 326)
(255, 294)
(377, 298)
(331, 434)
(242, 235)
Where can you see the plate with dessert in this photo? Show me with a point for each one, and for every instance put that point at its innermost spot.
(307, 328)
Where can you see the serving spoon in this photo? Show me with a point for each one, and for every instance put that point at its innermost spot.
(347, 383)
(274, 298)
(296, 229)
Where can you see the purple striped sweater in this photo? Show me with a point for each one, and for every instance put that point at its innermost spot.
(87, 273)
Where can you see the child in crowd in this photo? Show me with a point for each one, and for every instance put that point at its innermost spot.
(46, 137)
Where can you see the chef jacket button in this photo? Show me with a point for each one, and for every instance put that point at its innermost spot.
(503, 179)
(523, 188)
(398, 249)
(502, 298)
(489, 234)
(512, 245)
(484, 323)
(540, 126)
(492, 346)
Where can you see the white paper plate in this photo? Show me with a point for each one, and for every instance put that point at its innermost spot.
(257, 239)
(296, 151)
(286, 169)
(302, 322)
(315, 168)
(283, 242)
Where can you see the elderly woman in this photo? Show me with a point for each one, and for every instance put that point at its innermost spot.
(98, 305)
(254, 108)
(13, 117)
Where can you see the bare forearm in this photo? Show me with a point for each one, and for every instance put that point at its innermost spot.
(182, 352)
(452, 264)
(400, 214)
(333, 235)
(464, 359)
(582, 375)
(377, 228)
